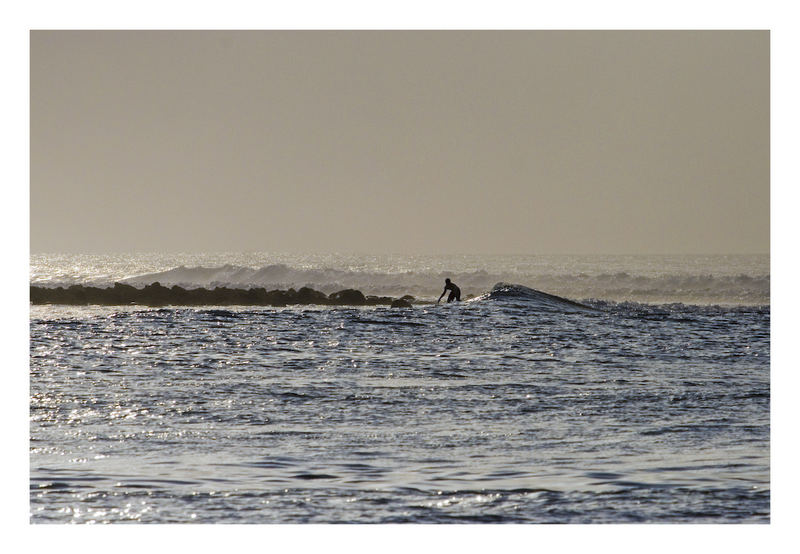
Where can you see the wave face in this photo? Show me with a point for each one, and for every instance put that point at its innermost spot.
(532, 298)
(649, 280)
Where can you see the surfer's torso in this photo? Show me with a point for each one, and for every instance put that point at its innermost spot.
(455, 292)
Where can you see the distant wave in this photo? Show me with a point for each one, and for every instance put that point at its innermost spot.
(280, 276)
(621, 286)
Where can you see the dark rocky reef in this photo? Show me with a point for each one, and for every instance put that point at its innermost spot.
(348, 296)
(158, 295)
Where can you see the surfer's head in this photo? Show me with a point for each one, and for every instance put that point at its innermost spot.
(447, 280)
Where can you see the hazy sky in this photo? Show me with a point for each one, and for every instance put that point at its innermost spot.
(401, 142)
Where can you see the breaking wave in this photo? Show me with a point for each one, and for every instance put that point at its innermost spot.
(521, 294)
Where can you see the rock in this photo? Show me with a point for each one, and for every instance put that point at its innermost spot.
(349, 297)
(278, 298)
(125, 294)
(156, 294)
(38, 295)
(77, 295)
(401, 303)
(308, 295)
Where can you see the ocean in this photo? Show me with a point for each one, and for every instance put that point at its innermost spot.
(563, 389)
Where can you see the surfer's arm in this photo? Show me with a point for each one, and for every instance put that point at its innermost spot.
(443, 293)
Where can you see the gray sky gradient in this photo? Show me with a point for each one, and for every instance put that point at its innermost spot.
(402, 142)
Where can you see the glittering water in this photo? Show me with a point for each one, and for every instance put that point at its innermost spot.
(504, 409)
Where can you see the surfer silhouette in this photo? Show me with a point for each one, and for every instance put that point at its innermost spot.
(455, 292)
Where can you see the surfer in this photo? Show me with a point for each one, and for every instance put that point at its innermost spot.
(455, 292)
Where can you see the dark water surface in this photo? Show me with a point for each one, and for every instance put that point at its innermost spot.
(511, 408)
